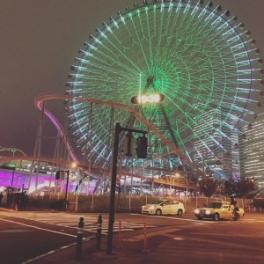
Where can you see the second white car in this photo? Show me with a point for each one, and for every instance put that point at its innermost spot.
(164, 208)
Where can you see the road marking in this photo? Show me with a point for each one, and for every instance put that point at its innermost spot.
(53, 251)
(15, 231)
(178, 238)
(152, 234)
(175, 218)
(47, 254)
(91, 226)
(38, 228)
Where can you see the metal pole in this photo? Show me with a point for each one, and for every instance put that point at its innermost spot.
(112, 192)
(132, 172)
(12, 179)
(66, 190)
(39, 144)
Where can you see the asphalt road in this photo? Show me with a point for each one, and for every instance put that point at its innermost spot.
(26, 235)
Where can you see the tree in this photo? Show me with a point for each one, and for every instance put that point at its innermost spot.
(229, 187)
(243, 188)
(208, 186)
(246, 188)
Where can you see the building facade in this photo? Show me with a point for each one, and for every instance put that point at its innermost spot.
(251, 147)
(213, 145)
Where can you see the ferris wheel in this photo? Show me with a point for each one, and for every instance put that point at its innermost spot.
(198, 56)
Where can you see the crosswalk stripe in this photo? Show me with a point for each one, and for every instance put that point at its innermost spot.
(91, 224)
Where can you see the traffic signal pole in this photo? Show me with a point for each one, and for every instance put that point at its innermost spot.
(112, 191)
(111, 219)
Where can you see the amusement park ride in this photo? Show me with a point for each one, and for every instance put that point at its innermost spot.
(193, 58)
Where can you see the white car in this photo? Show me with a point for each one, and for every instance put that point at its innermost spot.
(164, 208)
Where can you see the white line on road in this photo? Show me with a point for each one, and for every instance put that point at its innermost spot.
(38, 228)
(174, 218)
(53, 251)
(47, 254)
(90, 227)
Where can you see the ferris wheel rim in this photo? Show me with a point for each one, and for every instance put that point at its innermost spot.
(119, 19)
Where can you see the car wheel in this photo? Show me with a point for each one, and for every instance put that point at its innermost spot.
(216, 217)
(158, 212)
(180, 212)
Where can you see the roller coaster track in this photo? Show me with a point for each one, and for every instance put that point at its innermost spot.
(13, 151)
(40, 101)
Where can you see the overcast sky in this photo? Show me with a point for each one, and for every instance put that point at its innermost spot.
(39, 40)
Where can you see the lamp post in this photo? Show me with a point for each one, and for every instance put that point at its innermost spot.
(13, 175)
(72, 166)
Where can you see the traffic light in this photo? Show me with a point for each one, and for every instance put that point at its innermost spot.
(128, 144)
(142, 147)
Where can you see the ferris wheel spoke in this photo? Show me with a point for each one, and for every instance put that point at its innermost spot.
(194, 122)
(106, 57)
(106, 62)
(119, 50)
(141, 37)
(159, 31)
(103, 66)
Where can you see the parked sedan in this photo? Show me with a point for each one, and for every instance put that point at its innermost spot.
(164, 208)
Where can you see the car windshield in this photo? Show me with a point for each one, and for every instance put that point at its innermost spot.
(157, 202)
(214, 205)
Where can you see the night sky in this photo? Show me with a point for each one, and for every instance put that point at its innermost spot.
(39, 40)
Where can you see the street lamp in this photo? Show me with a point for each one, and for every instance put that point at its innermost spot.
(74, 165)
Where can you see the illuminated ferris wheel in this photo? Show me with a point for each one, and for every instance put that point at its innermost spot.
(196, 55)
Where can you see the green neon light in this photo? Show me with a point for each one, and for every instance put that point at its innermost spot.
(200, 61)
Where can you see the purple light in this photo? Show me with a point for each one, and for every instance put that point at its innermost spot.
(6, 178)
(10, 178)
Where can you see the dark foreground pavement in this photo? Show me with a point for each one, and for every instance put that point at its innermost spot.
(170, 240)
(225, 243)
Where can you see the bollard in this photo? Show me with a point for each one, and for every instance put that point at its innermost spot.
(79, 239)
(145, 250)
(99, 232)
(119, 233)
(129, 202)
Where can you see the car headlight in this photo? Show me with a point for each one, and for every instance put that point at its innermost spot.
(207, 212)
(196, 211)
